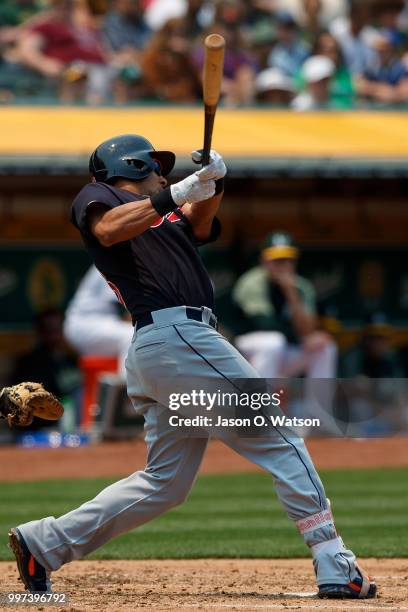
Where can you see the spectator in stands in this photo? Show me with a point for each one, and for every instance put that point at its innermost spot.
(307, 12)
(310, 19)
(13, 17)
(98, 8)
(167, 65)
(403, 17)
(261, 40)
(231, 13)
(289, 51)
(313, 21)
(51, 361)
(67, 46)
(354, 35)
(198, 16)
(125, 28)
(238, 85)
(341, 84)
(260, 12)
(317, 73)
(386, 80)
(127, 34)
(374, 356)
(14, 13)
(387, 15)
(274, 88)
(158, 12)
(279, 309)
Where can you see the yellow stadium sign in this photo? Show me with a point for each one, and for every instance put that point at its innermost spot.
(240, 133)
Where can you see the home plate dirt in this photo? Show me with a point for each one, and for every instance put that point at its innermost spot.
(210, 584)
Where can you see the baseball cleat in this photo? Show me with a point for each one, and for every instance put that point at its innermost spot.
(362, 587)
(34, 576)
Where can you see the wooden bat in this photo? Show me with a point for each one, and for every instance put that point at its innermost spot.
(212, 78)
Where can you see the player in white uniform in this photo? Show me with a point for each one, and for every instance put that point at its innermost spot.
(92, 321)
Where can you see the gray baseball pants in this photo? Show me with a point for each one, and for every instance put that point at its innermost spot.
(177, 348)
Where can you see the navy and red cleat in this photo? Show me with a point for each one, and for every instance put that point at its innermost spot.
(362, 587)
(34, 576)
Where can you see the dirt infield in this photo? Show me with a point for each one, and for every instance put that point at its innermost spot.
(216, 584)
(208, 584)
(121, 458)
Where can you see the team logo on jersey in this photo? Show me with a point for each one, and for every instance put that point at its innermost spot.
(172, 217)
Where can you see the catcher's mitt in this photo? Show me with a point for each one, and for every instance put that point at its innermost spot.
(21, 403)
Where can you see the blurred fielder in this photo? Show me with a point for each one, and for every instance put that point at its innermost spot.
(93, 324)
(280, 308)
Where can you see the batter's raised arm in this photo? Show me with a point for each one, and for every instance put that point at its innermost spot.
(111, 226)
(129, 220)
(201, 214)
(129, 191)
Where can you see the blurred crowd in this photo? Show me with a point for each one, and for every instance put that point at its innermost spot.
(303, 54)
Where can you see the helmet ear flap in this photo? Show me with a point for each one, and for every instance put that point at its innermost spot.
(97, 168)
(91, 165)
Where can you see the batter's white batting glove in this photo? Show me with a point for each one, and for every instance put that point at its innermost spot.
(192, 189)
(215, 170)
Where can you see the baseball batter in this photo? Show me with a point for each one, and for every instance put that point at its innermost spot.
(143, 237)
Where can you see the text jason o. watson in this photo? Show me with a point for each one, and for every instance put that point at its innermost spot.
(258, 420)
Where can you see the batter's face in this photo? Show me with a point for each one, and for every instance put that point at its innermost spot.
(154, 183)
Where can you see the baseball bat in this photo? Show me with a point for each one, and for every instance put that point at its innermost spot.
(214, 46)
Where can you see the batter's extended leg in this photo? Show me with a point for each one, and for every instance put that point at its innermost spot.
(171, 469)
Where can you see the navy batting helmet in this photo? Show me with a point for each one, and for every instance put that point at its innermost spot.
(128, 156)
